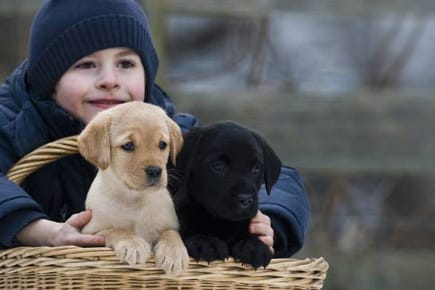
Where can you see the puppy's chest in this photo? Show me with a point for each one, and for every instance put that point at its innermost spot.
(154, 213)
(123, 215)
(129, 211)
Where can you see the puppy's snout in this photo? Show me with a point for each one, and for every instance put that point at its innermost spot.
(153, 172)
(245, 200)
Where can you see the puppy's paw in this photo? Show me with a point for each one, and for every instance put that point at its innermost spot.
(133, 251)
(171, 256)
(207, 248)
(251, 251)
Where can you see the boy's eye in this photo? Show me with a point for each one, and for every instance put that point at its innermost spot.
(129, 146)
(85, 65)
(126, 64)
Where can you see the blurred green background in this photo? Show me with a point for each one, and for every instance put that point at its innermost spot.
(344, 92)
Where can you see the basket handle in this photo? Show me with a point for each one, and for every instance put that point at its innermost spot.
(42, 156)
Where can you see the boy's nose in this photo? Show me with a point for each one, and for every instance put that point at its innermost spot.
(107, 79)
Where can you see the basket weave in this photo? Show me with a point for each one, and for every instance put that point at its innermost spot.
(71, 267)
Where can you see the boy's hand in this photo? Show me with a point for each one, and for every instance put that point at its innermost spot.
(48, 233)
(260, 225)
(70, 232)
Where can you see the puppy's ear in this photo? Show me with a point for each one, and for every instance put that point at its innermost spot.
(94, 141)
(186, 160)
(190, 145)
(272, 164)
(176, 139)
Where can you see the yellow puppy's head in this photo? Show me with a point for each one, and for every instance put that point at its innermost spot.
(133, 139)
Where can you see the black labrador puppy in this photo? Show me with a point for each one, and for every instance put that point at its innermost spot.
(215, 186)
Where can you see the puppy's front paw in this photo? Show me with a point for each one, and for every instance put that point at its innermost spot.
(171, 254)
(251, 251)
(207, 248)
(133, 251)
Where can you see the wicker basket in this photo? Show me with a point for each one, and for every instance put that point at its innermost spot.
(73, 267)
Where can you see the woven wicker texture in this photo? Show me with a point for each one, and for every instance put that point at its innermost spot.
(99, 268)
(73, 267)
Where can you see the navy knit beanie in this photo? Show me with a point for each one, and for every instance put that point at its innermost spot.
(63, 31)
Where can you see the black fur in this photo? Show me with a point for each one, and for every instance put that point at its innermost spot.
(215, 186)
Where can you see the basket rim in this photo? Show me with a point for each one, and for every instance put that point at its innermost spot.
(41, 156)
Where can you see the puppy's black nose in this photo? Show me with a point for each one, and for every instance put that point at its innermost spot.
(245, 200)
(153, 171)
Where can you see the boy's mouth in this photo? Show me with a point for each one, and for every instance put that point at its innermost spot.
(105, 103)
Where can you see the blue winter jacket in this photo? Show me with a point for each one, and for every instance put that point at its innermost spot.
(59, 189)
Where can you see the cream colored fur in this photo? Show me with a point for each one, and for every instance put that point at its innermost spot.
(134, 212)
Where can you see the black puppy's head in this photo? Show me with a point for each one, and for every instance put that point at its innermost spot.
(225, 165)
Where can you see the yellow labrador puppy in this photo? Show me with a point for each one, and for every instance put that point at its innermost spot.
(131, 207)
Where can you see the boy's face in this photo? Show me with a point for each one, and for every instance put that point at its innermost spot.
(99, 81)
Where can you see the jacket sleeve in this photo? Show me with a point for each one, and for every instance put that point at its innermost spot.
(17, 209)
(289, 210)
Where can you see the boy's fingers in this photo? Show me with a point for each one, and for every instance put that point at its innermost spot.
(261, 218)
(79, 220)
(90, 240)
(261, 226)
(268, 241)
(261, 229)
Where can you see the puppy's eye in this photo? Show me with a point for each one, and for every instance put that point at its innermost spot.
(218, 166)
(162, 145)
(256, 170)
(129, 146)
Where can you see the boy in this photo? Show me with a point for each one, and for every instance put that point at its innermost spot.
(84, 57)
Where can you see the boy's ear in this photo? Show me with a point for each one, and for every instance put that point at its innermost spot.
(94, 141)
(272, 164)
(176, 139)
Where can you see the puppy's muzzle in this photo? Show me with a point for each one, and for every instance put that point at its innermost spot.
(153, 173)
(245, 200)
